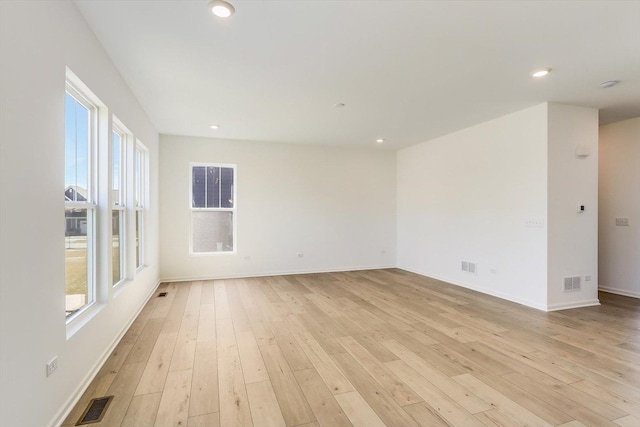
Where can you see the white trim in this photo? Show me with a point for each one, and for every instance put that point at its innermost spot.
(579, 304)
(617, 291)
(275, 273)
(480, 289)
(71, 402)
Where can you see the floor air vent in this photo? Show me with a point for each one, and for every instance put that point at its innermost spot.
(162, 294)
(95, 410)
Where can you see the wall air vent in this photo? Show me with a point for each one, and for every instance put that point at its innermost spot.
(571, 283)
(470, 267)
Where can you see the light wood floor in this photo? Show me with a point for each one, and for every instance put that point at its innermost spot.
(368, 348)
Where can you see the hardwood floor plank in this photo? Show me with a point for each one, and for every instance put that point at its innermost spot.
(206, 420)
(207, 323)
(425, 415)
(204, 385)
(628, 405)
(142, 410)
(252, 365)
(455, 391)
(234, 405)
(357, 410)
(434, 397)
(323, 405)
(144, 344)
(628, 421)
(156, 369)
(553, 398)
(500, 401)
(293, 404)
(174, 404)
(378, 399)
(289, 346)
(322, 362)
(265, 410)
(122, 388)
(402, 394)
(495, 418)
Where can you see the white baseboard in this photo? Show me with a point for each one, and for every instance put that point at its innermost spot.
(71, 402)
(617, 291)
(566, 306)
(480, 289)
(273, 273)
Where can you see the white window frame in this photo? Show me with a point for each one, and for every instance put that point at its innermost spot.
(120, 203)
(234, 209)
(140, 190)
(91, 204)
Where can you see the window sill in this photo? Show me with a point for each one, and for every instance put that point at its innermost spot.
(199, 254)
(82, 318)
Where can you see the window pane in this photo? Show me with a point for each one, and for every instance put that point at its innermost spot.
(76, 266)
(138, 232)
(115, 168)
(226, 187)
(117, 227)
(82, 149)
(213, 187)
(198, 187)
(69, 147)
(212, 231)
(76, 150)
(138, 178)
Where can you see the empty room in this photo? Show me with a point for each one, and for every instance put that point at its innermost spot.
(319, 213)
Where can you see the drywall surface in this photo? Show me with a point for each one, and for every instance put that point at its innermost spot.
(572, 182)
(468, 196)
(334, 206)
(37, 41)
(619, 197)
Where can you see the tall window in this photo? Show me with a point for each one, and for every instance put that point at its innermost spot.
(80, 201)
(140, 194)
(213, 209)
(118, 186)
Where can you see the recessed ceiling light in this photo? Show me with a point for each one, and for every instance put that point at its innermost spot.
(215, 126)
(221, 8)
(379, 140)
(609, 83)
(541, 73)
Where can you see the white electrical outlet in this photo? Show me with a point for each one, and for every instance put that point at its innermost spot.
(52, 366)
(493, 271)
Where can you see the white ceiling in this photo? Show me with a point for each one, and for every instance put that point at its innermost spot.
(408, 71)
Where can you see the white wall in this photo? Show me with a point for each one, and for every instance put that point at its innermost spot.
(572, 181)
(336, 206)
(465, 197)
(619, 197)
(37, 41)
